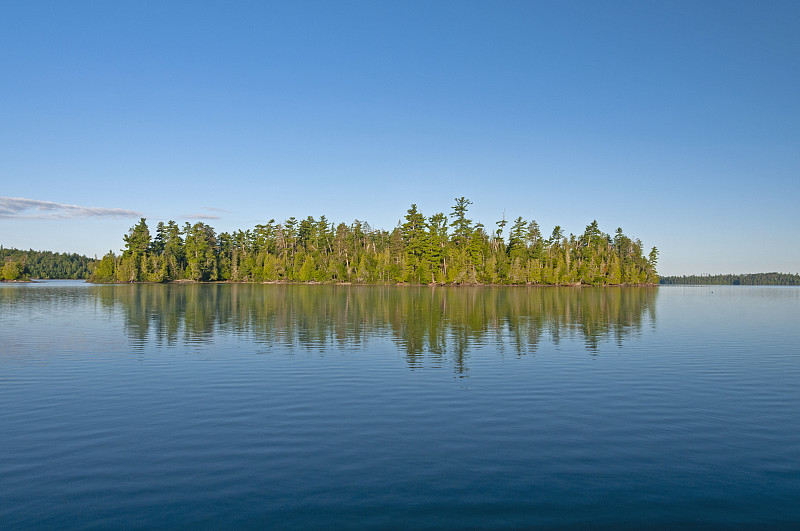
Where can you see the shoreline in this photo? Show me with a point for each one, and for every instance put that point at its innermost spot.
(397, 284)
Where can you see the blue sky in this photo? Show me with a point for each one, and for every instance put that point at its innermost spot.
(677, 121)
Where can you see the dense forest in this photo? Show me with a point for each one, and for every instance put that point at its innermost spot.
(747, 279)
(23, 265)
(438, 249)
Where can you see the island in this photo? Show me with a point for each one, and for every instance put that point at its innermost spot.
(438, 249)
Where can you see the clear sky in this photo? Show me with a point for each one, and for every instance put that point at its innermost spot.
(677, 121)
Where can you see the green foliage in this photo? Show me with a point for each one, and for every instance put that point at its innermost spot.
(421, 250)
(200, 247)
(43, 264)
(137, 241)
(105, 271)
(13, 270)
(461, 225)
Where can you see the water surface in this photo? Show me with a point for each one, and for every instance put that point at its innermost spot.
(154, 406)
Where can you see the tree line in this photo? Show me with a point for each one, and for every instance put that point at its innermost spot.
(437, 249)
(16, 264)
(746, 279)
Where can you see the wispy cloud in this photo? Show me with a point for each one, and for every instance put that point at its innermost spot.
(200, 216)
(206, 216)
(22, 208)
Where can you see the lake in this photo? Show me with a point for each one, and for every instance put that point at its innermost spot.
(291, 406)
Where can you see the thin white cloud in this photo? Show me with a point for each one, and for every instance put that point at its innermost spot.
(200, 216)
(215, 209)
(22, 208)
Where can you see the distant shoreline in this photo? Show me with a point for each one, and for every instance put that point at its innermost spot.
(733, 279)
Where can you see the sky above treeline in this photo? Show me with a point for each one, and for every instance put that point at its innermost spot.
(678, 121)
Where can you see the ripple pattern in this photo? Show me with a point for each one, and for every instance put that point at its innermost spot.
(309, 407)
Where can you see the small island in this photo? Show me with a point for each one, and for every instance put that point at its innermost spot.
(439, 249)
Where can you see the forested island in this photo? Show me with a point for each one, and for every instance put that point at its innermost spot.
(437, 249)
(746, 279)
(18, 265)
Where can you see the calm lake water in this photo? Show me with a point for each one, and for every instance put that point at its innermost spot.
(252, 406)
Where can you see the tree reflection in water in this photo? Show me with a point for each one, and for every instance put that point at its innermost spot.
(430, 325)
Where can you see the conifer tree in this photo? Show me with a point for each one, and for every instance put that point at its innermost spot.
(462, 227)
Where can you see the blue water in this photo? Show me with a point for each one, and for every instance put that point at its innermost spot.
(388, 407)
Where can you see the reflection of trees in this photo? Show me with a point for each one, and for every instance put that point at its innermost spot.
(431, 326)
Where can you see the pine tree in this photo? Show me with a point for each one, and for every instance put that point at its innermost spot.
(462, 227)
(137, 241)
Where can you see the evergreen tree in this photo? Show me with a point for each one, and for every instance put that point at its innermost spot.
(516, 239)
(417, 247)
(200, 245)
(462, 227)
(105, 271)
(137, 241)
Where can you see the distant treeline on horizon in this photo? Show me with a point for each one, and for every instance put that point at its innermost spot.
(437, 249)
(16, 264)
(746, 279)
